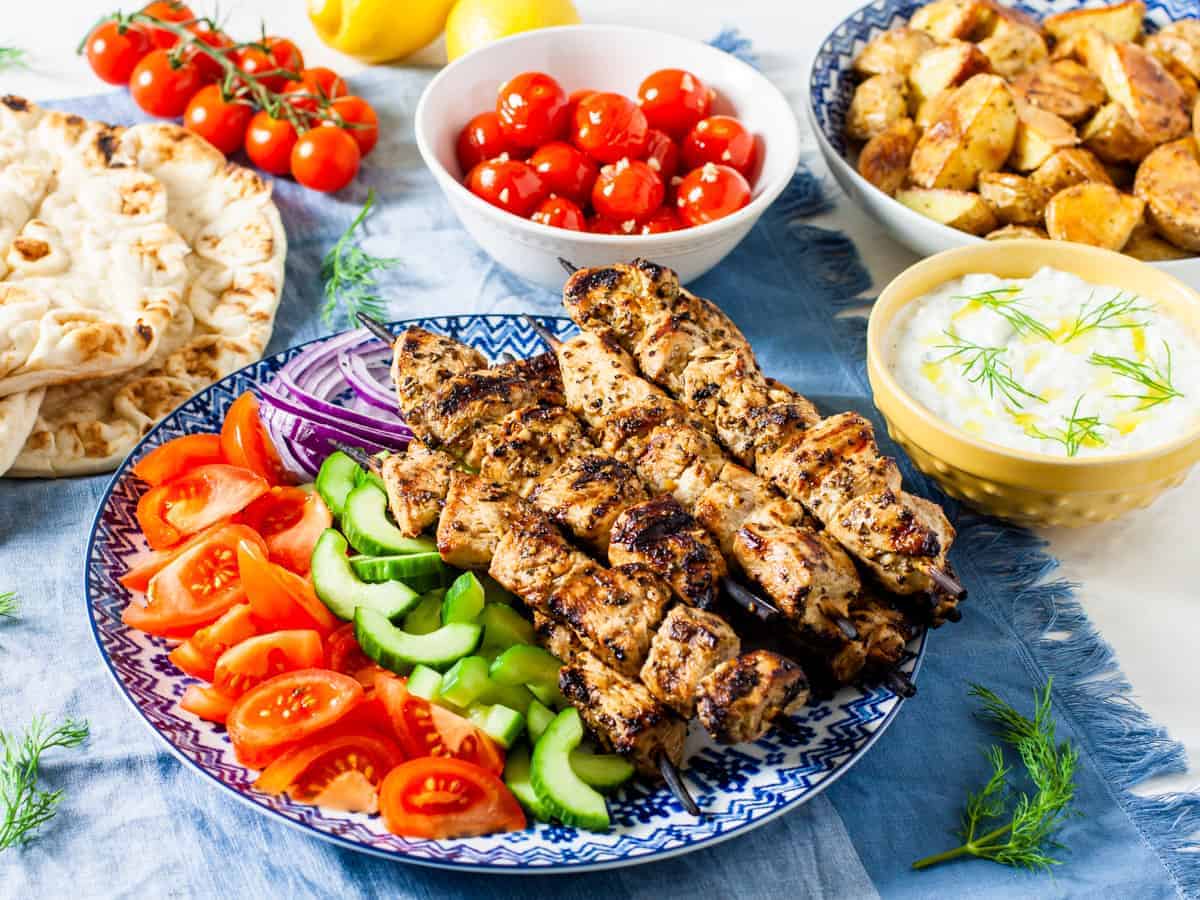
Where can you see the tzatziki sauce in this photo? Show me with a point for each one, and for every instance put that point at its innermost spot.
(1050, 364)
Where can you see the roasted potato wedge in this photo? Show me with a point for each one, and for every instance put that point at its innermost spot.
(1146, 245)
(975, 135)
(884, 160)
(1040, 134)
(944, 67)
(1169, 181)
(1063, 87)
(1137, 81)
(893, 51)
(1018, 233)
(963, 210)
(934, 108)
(1121, 22)
(947, 20)
(877, 103)
(1114, 137)
(1013, 48)
(1181, 42)
(1093, 213)
(1014, 199)
(1069, 167)
(1182, 77)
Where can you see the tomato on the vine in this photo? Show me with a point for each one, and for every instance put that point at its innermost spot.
(481, 138)
(566, 169)
(162, 86)
(662, 155)
(214, 38)
(317, 82)
(710, 193)
(722, 140)
(114, 49)
(325, 159)
(219, 120)
(509, 184)
(168, 11)
(674, 100)
(559, 212)
(532, 108)
(609, 127)
(272, 54)
(360, 121)
(629, 189)
(269, 143)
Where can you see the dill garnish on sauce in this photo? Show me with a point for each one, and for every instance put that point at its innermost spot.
(985, 365)
(1157, 381)
(1076, 432)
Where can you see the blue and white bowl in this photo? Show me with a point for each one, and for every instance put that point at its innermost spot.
(831, 87)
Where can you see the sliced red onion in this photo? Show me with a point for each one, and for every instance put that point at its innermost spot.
(358, 375)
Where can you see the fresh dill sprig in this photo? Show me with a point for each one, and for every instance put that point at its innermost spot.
(25, 806)
(349, 275)
(1156, 381)
(13, 58)
(984, 365)
(1108, 315)
(8, 604)
(1027, 836)
(1006, 303)
(1078, 430)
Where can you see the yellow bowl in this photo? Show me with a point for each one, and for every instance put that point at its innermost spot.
(1029, 488)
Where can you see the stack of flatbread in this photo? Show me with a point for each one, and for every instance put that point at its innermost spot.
(137, 267)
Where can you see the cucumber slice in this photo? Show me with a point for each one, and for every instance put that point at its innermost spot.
(399, 651)
(427, 614)
(420, 571)
(517, 698)
(466, 681)
(526, 664)
(503, 627)
(464, 599)
(537, 719)
(494, 591)
(424, 682)
(365, 523)
(501, 724)
(342, 592)
(603, 771)
(568, 798)
(362, 476)
(549, 694)
(516, 777)
(335, 480)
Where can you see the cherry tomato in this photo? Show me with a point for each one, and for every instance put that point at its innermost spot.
(167, 11)
(198, 655)
(206, 702)
(193, 501)
(113, 50)
(290, 520)
(204, 32)
(532, 109)
(662, 155)
(163, 87)
(347, 657)
(269, 143)
(559, 212)
(426, 729)
(710, 193)
(509, 184)
(272, 54)
(220, 121)
(627, 190)
(481, 139)
(340, 770)
(661, 221)
(325, 159)
(286, 54)
(674, 100)
(317, 82)
(245, 442)
(567, 170)
(604, 225)
(177, 456)
(249, 663)
(279, 598)
(609, 127)
(281, 712)
(197, 588)
(722, 140)
(361, 121)
(573, 101)
(447, 798)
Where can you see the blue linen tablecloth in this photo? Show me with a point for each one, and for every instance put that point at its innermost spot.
(136, 823)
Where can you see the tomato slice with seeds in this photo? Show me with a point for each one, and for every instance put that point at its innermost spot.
(425, 729)
(282, 711)
(249, 663)
(206, 702)
(278, 598)
(347, 657)
(290, 521)
(197, 588)
(342, 770)
(190, 503)
(198, 655)
(150, 564)
(447, 798)
(177, 456)
(245, 441)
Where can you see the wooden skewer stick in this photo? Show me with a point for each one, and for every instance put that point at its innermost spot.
(360, 456)
(543, 332)
(568, 265)
(899, 683)
(947, 583)
(376, 328)
(671, 775)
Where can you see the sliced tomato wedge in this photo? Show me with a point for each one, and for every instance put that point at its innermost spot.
(370, 715)
(282, 711)
(425, 729)
(339, 770)
(437, 797)
(245, 442)
(206, 702)
(178, 456)
(279, 598)
(346, 656)
(152, 562)
(197, 588)
(198, 655)
(290, 521)
(193, 501)
(248, 664)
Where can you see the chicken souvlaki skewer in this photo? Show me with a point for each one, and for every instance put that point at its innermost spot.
(832, 466)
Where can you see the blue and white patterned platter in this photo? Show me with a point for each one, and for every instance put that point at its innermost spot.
(739, 788)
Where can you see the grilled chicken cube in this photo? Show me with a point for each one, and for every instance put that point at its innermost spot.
(533, 560)
(620, 299)
(597, 383)
(416, 482)
(688, 645)
(883, 629)
(719, 386)
(422, 361)
(741, 697)
(724, 506)
(622, 713)
(586, 493)
(476, 514)
(556, 637)
(680, 461)
(526, 444)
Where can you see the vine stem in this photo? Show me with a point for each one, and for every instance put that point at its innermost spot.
(970, 848)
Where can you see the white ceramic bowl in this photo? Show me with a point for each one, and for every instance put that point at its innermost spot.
(607, 58)
(831, 85)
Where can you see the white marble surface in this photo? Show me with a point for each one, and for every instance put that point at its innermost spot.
(1136, 578)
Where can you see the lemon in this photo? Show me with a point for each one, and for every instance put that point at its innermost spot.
(378, 30)
(473, 23)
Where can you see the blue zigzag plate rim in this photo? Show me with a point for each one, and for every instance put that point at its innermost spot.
(542, 855)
